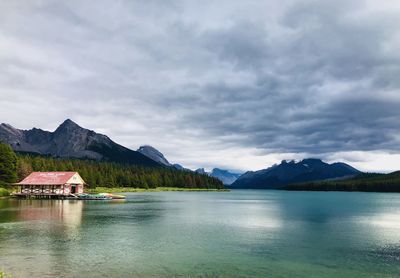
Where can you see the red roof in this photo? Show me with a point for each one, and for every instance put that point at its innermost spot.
(47, 178)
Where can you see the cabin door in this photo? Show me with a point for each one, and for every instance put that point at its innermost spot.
(73, 189)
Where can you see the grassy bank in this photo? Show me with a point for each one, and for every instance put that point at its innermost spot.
(157, 189)
(4, 275)
(4, 193)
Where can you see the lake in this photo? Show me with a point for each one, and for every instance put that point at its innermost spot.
(204, 234)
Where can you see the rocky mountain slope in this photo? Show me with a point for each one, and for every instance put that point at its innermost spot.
(72, 141)
(292, 172)
(154, 154)
(159, 157)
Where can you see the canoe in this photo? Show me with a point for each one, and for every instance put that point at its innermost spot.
(93, 197)
(113, 196)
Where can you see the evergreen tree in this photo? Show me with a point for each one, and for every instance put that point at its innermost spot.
(8, 164)
(24, 169)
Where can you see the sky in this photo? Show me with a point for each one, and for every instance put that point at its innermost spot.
(239, 85)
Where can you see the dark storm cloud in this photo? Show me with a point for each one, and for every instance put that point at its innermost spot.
(330, 84)
(309, 77)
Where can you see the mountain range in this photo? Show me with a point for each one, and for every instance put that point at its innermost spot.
(224, 175)
(291, 172)
(70, 140)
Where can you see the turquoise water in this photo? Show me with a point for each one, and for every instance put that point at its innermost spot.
(204, 234)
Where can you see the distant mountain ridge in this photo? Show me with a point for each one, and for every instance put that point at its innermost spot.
(159, 157)
(70, 140)
(154, 154)
(223, 175)
(310, 169)
(201, 171)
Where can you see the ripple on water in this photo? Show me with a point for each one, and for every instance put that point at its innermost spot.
(388, 253)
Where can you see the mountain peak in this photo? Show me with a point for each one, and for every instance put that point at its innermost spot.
(148, 147)
(153, 154)
(201, 171)
(217, 171)
(9, 128)
(312, 160)
(68, 124)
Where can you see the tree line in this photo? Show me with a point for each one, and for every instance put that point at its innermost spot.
(367, 182)
(104, 174)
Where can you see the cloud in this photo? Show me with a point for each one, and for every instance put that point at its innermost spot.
(204, 83)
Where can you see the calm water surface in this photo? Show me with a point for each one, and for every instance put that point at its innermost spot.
(204, 234)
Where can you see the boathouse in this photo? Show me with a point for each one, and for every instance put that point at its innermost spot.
(51, 184)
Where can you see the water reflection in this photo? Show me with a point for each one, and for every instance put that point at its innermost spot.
(38, 233)
(67, 212)
(61, 218)
(146, 209)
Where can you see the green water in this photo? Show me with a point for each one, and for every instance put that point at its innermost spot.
(204, 234)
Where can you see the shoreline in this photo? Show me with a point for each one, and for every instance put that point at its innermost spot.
(157, 189)
(136, 190)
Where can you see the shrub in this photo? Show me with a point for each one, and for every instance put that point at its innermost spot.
(4, 192)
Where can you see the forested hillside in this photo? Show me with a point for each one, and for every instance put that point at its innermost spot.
(363, 182)
(108, 174)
